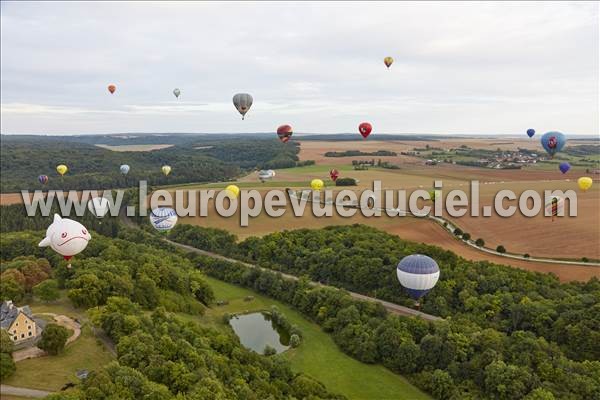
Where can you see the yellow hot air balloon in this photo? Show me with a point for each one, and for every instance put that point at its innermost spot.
(388, 61)
(316, 184)
(62, 169)
(232, 191)
(166, 170)
(585, 183)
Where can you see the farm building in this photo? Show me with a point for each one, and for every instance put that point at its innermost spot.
(18, 322)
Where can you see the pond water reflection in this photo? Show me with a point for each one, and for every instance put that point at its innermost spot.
(256, 331)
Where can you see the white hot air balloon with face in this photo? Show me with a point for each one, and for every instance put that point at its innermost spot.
(66, 237)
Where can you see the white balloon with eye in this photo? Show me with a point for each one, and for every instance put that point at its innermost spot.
(66, 237)
(98, 206)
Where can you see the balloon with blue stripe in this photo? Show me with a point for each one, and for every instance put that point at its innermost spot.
(163, 218)
(418, 274)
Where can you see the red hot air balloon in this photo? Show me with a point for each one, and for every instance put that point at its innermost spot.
(284, 132)
(112, 88)
(365, 129)
(334, 174)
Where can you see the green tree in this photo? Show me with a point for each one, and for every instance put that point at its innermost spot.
(466, 236)
(269, 351)
(6, 343)
(294, 340)
(47, 290)
(539, 394)
(501, 249)
(11, 289)
(480, 242)
(54, 338)
(7, 366)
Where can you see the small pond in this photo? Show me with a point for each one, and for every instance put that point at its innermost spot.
(257, 331)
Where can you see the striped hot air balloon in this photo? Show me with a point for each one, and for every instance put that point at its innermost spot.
(418, 274)
(163, 218)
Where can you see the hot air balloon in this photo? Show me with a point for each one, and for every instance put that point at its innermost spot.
(264, 175)
(317, 184)
(163, 218)
(232, 191)
(530, 132)
(66, 237)
(553, 142)
(112, 88)
(555, 206)
(176, 92)
(284, 132)
(365, 129)
(388, 61)
(62, 169)
(418, 274)
(242, 102)
(98, 206)
(43, 179)
(124, 169)
(166, 170)
(585, 183)
(334, 174)
(564, 167)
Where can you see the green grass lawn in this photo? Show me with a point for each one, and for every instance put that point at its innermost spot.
(52, 372)
(318, 355)
(62, 306)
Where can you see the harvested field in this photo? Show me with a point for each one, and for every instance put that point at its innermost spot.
(135, 147)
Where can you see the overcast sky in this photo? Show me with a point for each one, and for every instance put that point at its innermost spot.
(481, 68)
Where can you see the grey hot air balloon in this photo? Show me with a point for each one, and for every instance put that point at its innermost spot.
(176, 92)
(242, 102)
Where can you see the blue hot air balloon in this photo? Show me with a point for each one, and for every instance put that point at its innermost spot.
(418, 274)
(564, 167)
(553, 142)
(124, 169)
(43, 179)
(530, 132)
(163, 218)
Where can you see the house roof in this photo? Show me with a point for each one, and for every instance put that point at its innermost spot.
(9, 312)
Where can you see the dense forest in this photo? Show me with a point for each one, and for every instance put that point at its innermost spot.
(132, 290)
(501, 324)
(192, 159)
(507, 333)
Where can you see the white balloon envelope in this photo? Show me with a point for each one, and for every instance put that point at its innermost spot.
(163, 218)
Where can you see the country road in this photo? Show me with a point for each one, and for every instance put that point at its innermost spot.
(23, 392)
(449, 227)
(390, 307)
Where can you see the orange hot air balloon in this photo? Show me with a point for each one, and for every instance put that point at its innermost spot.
(112, 88)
